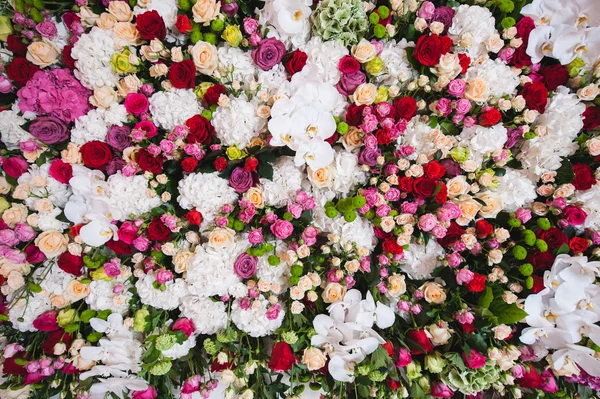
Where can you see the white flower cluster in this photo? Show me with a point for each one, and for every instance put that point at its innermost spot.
(516, 190)
(11, 131)
(173, 108)
(471, 27)
(287, 180)
(254, 320)
(168, 299)
(92, 54)
(237, 122)
(131, 195)
(498, 77)
(483, 141)
(421, 260)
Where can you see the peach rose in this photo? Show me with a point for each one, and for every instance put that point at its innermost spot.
(364, 51)
(255, 196)
(314, 358)
(205, 57)
(181, 260)
(17, 213)
(433, 292)
(322, 177)
(120, 10)
(396, 285)
(52, 243)
(103, 97)
(205, 11)
(71, 154)
(333, 292)
(365, 94)
(221, 238)
(476, 90)
(126, 33)
(106, 21)
(43, 53)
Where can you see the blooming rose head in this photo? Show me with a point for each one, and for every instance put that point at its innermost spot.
(269, 53)
(245, 265)
(49, 130)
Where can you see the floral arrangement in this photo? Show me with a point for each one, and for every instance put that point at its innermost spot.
(296, 199)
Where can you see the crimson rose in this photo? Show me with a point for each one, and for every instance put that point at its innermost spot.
(490, 117)
(151, 26)
(158, 231)
(424, 186)
(554, 76)
(211, 97)
(420, 338)
(428, 50)
(183, 74)
(149, 162)
(70, 263)
(20, 71)
(536, 96)
(201, 130)
(591, 118)
(95, 154)
(295, 62)
(282, 357)
(584, 177)
(406, 107)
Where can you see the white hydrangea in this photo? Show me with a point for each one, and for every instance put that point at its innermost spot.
(103, 297)
(590, 200)
(344, 173)
(254, 320)
(235, 64)
(421, 260)
(397, 68)
(24, 311)
(273, 79)
(11, 131)
(359, 232)
(287, 180)
(326, 57)
(516, 190)
(207, 192)
(274, 274)
(237, 122)
(168, 299)
(418, 135)
(131, 195)
(473, 22)
(116, 115)
(92, 54)
(481, 141)
(208, 316)
(180, 350)
(49, 221)
(174, 107)
(499, 78)
(89, 127)
(42, 185)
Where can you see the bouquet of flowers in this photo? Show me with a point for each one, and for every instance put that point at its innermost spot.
(295, 199)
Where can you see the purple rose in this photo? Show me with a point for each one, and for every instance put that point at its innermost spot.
(119, 137)
(47, 29)
(452, 168)
(115, 165)
(269, 53)
(368, 156)
(230, 9)
(241, 180)
(282, 229)
(444, 15)
(245, 265)
(513, 136)
(350, 81)
(49, 130)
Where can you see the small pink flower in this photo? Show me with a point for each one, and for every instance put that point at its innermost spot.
(255, 236)
(464, 276)
(184, 325)
(164, 276)
(404, 358)
(474, 359)
(282, 229)
(273, 312)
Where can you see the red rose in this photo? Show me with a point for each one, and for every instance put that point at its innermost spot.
(189, 164)
(194, 217)
(442, 195)
(282, 357)
(405, 184)
(425, 186)
(554, 76)
(420, 338)
(445, 44)
(46, 322)
(477, 284)
(295, 62)
(354, 114)
(158, 231)
(536, 96)
(201, 130)
(406, 107)
(468, 328)
(391, 246)
(464, 62)
(531, 379)
(453, 234)
(136, 104)
(16, 45)
(148, 162)
(389, 348)
(584, 177)
(10, 367)
(490, 117)
(15, 166)
(70, 263)
(591, 118)
(61, 171)
(385, 137)
(541, 260)
(95, 154)
(54, 338)
(211, 97)
(151, 26)
(520, 58)
(183, 24)
(524, 28)
(578, 244)
(538, 283)
(348, 64)
(220, 163)
(120, 247)
(251, 164)
(483, 228)
(428, 50)
(434, 170)
(183, 74)
(66, 53)
(20, 71)
(554, 237)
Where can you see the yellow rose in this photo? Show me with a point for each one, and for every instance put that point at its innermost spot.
(333, 292)
(322, 177)
(181, 260)
(17, 213)
(365, 94)
(205, 57)
(221, 237)
(476, 90)
(232, 35)
(433, 292)
(205, 11)
(255, 196)
(364, 51)
(52, 243)
(314, 358)
(396, 285)
(103, 97)
(42, 53)
(120, 10)
(5, 27)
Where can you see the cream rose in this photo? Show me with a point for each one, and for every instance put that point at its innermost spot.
(448, 66)
(181, 260)
(457, 186)
(322, 177)
(127, 33)
(205, 11)
(76, 290)
(365, 94)
(106, 21)
(205, 57)
(52, 243)
(221, 238)
(502, 331)
(493, 204)
(103, 97)
(364, 51)
(17, 213)
(396, 285)
(439, 335)
(333, 292)
(120, 10)
(476, 90)
(593, 146)
(71, 154)
(255, 196)
(433, 292)
(353, 138)
(43, 53)
(314, 358)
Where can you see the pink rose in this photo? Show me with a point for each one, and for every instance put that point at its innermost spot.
(136, 103)
(404, 358)
(164, 276)
(15, 166)
(184, 325)
(464, 276)
(474, 359)
(282, 229)
(457, 87)
(574, 215)
(441, 390)
(46, 322)
(149, 393)
(127, 232)
(427, 222)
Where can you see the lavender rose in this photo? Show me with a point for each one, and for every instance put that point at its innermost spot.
(49, 130)
(240, 180)
(269, 53)
(444, 15)
(368, 156)
(350, 81)
(230, 9)
(513, 136)
(115, 165)
(119, 137)
(245, 265)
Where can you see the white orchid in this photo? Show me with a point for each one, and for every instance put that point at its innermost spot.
(118, 386)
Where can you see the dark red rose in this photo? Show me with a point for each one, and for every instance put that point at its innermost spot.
(434, 170)
(201, 130)
(66, 53)
(483, 228)
(477, 284)
(16, 45)
(531, 378)
(591, 118)
(70, 263)
(194, 217)
(445, 44)
(251, 164)
(183, 24)
(148, 162)
(34, 255)
(96, 154)
(442, 195)
(151, 26)
(405, 184)
(464, 62)
(578, 244)
(524, 28)
(584, 177)
(220, 163)
(391, 246)
(538, 283)
(295, 62)
(189, 164)
(354, 114)
(282, 357)
(536, 96)
(453, 234)
(520, 58)
(183, 74)
(46, 322)
(348, 65)
(20, 71)
(406, 107)
(424, 186)
(10, 367)
(54, 338)
(420, 338)
(211, 97)
(158, 231)
(554, 76)
(541, 260)
(61, 171)
(428, 50)
(554, 237)
(468, 328)
(490, 117)
(120, 247)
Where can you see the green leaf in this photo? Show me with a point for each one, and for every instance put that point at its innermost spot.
(156, 212)
(457, 360)
(265, 170)
(507, 313)
(35, 288)
(380, 358)
(564, 249)
(86, 315)
(477, 341)
(486, 298)
(72, 327)
(565, 173)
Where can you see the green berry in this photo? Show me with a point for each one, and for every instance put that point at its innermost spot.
(196, 35)
(238, 225)
(268, 247)
(344, 205)
(331, 212)
(290, 337)
(274, 260)
(358, 201)
(526, 269)
(508, 22)
(370, 214)
(294, 280)
(519, 252)
(210, 38)
(379, 31)
(529, 237)
(350, 216)
(184, 5)
(161, 368)
(210, 347)
(342, 127)
(383, 11)
(374, 19)
(541, 245)
(296, 270)
(514, 222)
(217, 25)
(288, 216)
(543, 223)
(506, 6)
(529, 283)
(529, 135)
(207, 114)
